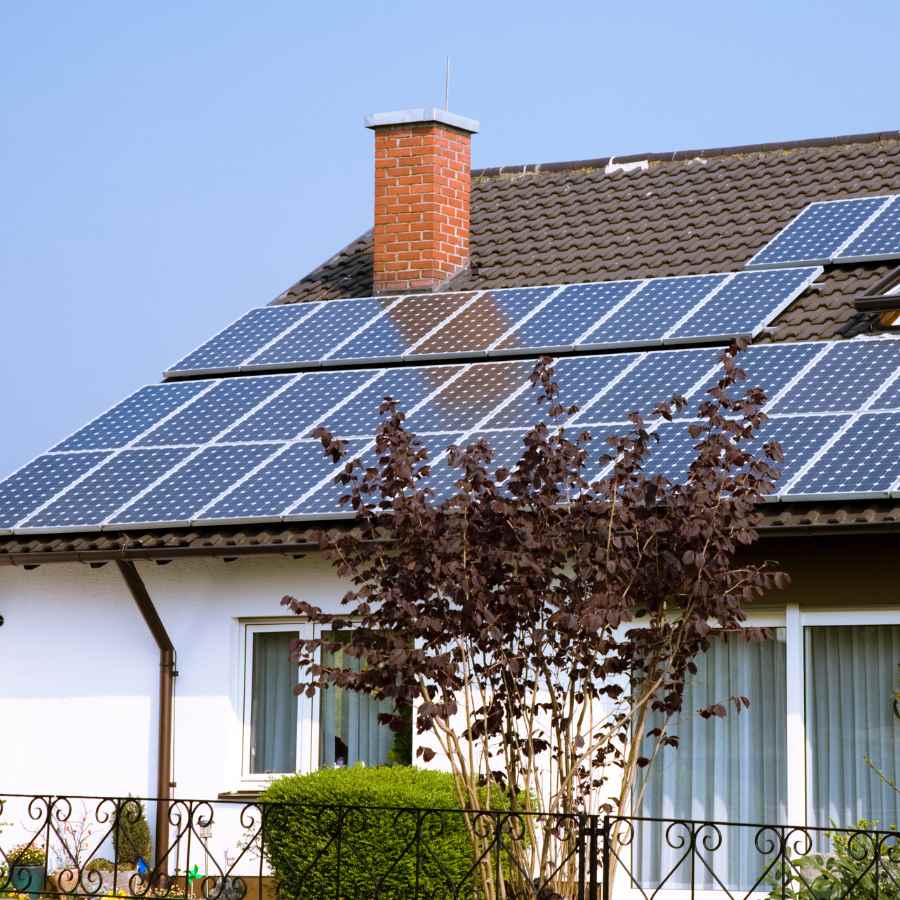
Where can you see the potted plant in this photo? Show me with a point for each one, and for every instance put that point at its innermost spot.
(27, 868)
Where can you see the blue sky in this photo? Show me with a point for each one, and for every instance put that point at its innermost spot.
(166, 166)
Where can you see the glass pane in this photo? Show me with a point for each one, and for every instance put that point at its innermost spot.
(730, 769)
(851, 685)
(349, 728)
(273, 704)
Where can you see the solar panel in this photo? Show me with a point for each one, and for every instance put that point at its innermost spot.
(471, 397)
(652, 312)
(879, 240)
(294, 411)
(845, 378)
(864, 461)
(360, 416)
(231, 461)
(89, 502)
(276, 486)
(240, 340)
(218, 408)
(313, 339)
(409, 321)
(486, 320)
(567, 316)
(655, 378)
(25, 490)
(193, 486)
(746, 304)
(579, 378)
(768, 366)
(133, 416)
(818, 233)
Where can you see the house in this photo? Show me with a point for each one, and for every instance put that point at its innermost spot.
(95, 615)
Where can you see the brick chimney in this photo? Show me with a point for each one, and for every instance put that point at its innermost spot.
(422, 184)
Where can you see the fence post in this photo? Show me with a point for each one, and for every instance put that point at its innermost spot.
(582, 868)
(607, 884)
(592, 859)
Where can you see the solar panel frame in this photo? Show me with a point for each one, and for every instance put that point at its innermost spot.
(417, 351)
(632, 309)
(676, 335)
(850, 251)
(294, 315)
(497, 349)
(405, 346)
(268, 359)
(797, 490)
(757, 262)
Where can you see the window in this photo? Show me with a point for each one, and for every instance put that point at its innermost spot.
(731, 769)
(286, 733)
(825, 696)
(851, 680)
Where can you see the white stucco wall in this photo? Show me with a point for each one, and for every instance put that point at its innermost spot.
(79, 671)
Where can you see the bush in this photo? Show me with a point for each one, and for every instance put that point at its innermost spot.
(377, 846)
(850, 870)
(132, 833)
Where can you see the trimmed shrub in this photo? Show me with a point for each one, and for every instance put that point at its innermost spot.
(376, 853)
(132, 834)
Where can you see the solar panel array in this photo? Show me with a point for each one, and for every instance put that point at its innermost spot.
(500, 323)
(836, 231)
(240, 449)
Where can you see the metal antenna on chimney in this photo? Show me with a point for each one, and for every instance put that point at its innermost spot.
(447, 84)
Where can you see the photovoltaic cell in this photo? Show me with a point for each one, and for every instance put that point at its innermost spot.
(229, 348)
(655, 378)
(746, 304)
(411, 319)
(568, 315)
(130, 418)
(647, 317)
(277, 485)
(579, 379)
(208, 415)
(194, 485)
(475, 394)
(479, 325)
(865, 460)
(817, 233)
(296, 410)
(311, 340)
(360, 416)
(90, 501)
(844, 379)
(25, 490)
(880, 240)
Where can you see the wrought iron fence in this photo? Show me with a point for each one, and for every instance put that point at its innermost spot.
(86, 847)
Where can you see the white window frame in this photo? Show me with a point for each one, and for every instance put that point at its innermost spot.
(794, 619)
(307, 758)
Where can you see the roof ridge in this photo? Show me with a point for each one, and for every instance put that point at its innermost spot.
(681, 155)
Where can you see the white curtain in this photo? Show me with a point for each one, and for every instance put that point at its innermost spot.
(350, 731)
(730, 769)
(851, 679)
(273, 706)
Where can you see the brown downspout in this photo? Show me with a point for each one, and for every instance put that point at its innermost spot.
(167, 675)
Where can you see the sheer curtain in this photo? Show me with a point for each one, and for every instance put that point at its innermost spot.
(851, 680)
(349, 728)
(273, 704)
(732, 769)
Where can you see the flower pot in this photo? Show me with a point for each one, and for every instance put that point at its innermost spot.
(28, 879)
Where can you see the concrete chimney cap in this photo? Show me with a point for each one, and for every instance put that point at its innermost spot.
(413, 116)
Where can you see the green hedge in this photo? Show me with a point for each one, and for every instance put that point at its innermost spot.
(377, 846)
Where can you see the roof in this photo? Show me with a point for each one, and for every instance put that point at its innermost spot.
(599, 220)
(684, 213)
